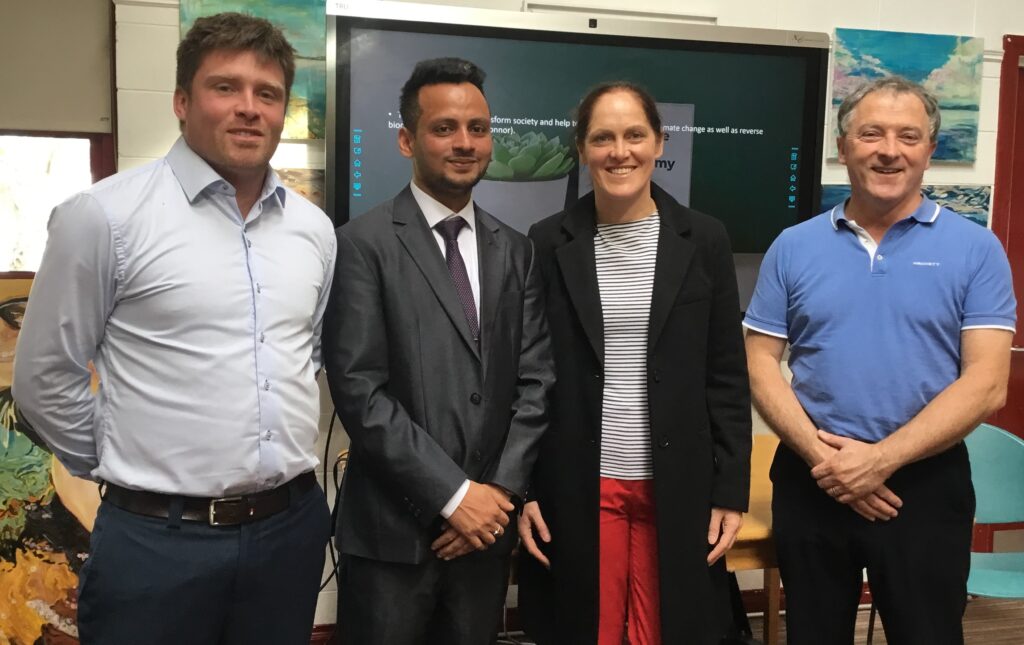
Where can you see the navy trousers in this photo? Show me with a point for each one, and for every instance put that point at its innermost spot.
(917, 563)
(165, 581)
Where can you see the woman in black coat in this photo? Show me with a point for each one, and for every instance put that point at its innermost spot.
(643, 475)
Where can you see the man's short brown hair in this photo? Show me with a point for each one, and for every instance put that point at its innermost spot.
(237, 32)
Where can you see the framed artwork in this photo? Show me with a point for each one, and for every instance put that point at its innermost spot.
(45, 513)
(948, 66)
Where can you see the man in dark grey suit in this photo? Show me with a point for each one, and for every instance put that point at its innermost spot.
(439, 364)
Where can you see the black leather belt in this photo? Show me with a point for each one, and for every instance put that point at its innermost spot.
(216, 511)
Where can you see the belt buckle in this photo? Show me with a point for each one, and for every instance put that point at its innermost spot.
(213, 507)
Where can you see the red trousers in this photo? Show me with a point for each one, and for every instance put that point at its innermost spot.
(629, 563)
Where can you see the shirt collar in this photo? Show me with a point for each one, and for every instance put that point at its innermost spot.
(926, 213)
(195, 175)
(435, 212)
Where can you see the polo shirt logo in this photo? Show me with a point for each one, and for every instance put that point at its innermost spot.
(925, 264)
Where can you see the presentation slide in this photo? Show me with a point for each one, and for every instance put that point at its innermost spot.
(734, 122)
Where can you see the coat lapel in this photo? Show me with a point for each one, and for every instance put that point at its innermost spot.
(412, 230)
(492, 250)
(579, 270)
(675, 252)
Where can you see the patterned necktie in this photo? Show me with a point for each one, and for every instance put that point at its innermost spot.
(449, 230)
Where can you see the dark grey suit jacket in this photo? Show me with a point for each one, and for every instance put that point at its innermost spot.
(425, 407)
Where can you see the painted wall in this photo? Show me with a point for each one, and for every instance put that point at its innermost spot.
(147, 34)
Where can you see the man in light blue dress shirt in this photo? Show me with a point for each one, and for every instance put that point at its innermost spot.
(197, 286)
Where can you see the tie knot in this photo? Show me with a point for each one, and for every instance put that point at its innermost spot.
(449, 228)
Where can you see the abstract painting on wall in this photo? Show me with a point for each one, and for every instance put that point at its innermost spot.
(970, 201)
(948, 66)
(304, 25)
(45, 513)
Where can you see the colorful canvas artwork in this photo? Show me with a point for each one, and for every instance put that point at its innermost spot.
(45, 514)
(948, 66)
(970, 201)
(304, 24)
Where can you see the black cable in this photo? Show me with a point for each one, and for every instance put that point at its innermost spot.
(327, 453)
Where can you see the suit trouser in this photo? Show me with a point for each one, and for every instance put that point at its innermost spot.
(434, 603)
(167, 581)
(917, 563)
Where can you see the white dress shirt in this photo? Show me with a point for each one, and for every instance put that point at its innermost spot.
(204, 327)
(435, 212)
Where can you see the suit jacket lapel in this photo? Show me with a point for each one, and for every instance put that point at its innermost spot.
(675, 252)
(411, 228)
(579, 269)
(492, 250)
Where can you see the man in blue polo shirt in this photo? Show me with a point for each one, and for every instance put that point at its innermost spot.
(899, 315)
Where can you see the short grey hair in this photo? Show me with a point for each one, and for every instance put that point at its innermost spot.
(896, 85)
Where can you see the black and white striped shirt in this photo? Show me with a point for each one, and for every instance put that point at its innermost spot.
(625, 255)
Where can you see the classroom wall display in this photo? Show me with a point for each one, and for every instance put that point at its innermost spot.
(970, 201)
(45, 513)
(948, 66)
(302, 22)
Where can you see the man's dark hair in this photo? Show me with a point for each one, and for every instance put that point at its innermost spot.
(585, 110)
(237, 32)
(435, 72)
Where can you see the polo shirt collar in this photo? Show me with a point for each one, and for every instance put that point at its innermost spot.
(195, 175)
(926, 213)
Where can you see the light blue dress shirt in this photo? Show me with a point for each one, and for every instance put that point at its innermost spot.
(204, 327)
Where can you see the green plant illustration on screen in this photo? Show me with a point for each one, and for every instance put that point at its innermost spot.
(528, 157)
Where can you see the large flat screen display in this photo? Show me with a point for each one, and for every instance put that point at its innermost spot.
(743, 121)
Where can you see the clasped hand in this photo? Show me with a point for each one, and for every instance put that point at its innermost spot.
(855, 473)
(476, 524)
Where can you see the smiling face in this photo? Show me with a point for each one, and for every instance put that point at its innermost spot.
(451, 145)
(886, 150)
(620, 148)
(233, 114)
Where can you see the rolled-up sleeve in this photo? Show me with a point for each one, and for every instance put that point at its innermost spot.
(72, 296)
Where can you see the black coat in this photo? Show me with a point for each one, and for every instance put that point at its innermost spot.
(700, 424)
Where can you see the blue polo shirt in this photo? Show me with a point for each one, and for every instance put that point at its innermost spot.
(875, 336)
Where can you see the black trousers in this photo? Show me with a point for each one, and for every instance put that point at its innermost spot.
(169, 582)
(917, 563)
(435, 603)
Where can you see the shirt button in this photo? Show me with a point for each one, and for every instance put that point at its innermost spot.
(263, 337)
(474, 398)
(266, 437)
(259, 289)
(879, 257)
(266, 385)
(248, 242)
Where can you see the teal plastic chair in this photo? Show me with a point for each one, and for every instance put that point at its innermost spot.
(997, 470)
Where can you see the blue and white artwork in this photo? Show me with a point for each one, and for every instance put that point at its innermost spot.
(948, 66)
(971, 202)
